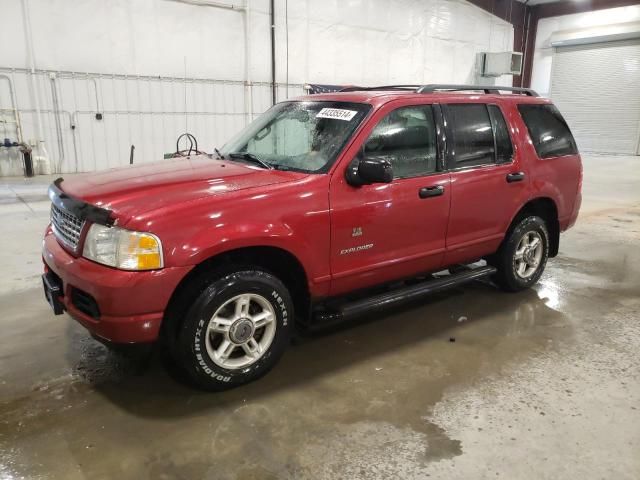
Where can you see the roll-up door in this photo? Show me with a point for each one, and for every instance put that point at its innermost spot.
(597, 89)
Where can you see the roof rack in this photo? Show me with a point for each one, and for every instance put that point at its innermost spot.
(384, 87)
(431, 88)
(483, 88)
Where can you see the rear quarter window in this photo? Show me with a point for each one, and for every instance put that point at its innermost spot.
(549, 132)
(504, 147)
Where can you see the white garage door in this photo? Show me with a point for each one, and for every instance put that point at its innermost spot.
(597, 89)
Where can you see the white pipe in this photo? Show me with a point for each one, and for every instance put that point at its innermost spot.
(14, 107)
(213, 3)
(248, 102)
(32, 67)
(122, 76)
(56, 118)
(87, 77)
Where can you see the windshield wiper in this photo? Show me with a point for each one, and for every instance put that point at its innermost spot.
(220, 156)
(250, 157)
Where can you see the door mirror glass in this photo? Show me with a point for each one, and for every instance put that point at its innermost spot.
(367, 169)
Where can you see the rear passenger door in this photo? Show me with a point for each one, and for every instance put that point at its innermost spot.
(487, 179)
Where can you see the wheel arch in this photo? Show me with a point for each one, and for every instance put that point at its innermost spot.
(278, 261)
(545, 208)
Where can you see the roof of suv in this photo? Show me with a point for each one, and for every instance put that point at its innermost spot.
(381, 95)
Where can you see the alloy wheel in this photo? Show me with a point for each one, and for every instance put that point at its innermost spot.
(240, 331)
(528, 255)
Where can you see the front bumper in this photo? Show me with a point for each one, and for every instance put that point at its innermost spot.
(131, 304)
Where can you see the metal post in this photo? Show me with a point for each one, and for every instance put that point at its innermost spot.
(273, 52)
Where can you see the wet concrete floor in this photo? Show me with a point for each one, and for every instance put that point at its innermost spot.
(539, 384)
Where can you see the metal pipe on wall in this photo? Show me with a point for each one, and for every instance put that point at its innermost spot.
(14, 106)
(272, 12)
(248, 96)
(246, 10)
(32, 66)
(56, 118)
(212, 3)
(122, 76)
(83, 138)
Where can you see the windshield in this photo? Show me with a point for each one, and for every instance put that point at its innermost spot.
(302, 136)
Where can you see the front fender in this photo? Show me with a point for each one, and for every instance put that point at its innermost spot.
(214, 241)
(293, 217)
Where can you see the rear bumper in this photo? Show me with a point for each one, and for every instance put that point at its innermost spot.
(131, 304)
(568, 222)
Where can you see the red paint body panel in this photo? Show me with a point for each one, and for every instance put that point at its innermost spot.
(200, 207)
(408, 234)
(132, 304)
(153, 186)
(483, 203)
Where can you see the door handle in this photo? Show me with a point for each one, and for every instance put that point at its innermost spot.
(515, 177)
(426, 192)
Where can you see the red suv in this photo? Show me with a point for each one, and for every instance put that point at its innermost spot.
(364, 192)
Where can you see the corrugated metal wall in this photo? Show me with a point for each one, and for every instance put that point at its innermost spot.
(147, 112)
(225, 55)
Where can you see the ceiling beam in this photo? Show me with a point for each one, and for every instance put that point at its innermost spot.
(517, 14)
(567, 7)
(524, 19)
(557, 9)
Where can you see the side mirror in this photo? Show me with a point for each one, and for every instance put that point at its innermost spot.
(367, 170)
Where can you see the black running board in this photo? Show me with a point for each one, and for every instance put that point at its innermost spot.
(398, 296)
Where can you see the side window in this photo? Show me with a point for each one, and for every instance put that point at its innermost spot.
(504, 147)
(406, 137)
(549, 132)
(471, 141)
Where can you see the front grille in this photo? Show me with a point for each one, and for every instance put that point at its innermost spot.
(66, 226)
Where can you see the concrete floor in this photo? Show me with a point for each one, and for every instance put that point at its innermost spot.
(540, 384)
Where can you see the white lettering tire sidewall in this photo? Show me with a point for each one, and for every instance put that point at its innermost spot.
(195, 359)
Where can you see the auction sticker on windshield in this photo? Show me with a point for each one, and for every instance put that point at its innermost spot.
(336, 114)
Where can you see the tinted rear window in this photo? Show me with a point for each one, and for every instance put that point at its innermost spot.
(472, 135)
(549, 132)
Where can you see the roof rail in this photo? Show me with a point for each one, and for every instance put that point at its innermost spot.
(435, 87)
(384, 87)
(484, 88)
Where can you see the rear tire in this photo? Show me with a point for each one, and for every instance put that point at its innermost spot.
(236, 330)
(523, 255)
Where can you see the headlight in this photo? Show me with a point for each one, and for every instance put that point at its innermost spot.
(122, 248)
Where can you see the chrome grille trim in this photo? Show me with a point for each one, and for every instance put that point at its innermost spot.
(66, 226)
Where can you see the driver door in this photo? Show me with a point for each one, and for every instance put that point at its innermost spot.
(387, 231)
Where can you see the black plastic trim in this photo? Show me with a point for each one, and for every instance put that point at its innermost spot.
(441, 137)
(435, 87)
(400, 296)
(53, 291)
(85, 303)
(488, 89)
(77, 207)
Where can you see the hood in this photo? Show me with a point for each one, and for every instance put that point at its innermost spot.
(131, 191)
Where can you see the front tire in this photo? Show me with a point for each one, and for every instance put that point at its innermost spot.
(523, 255)
(236, 330)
